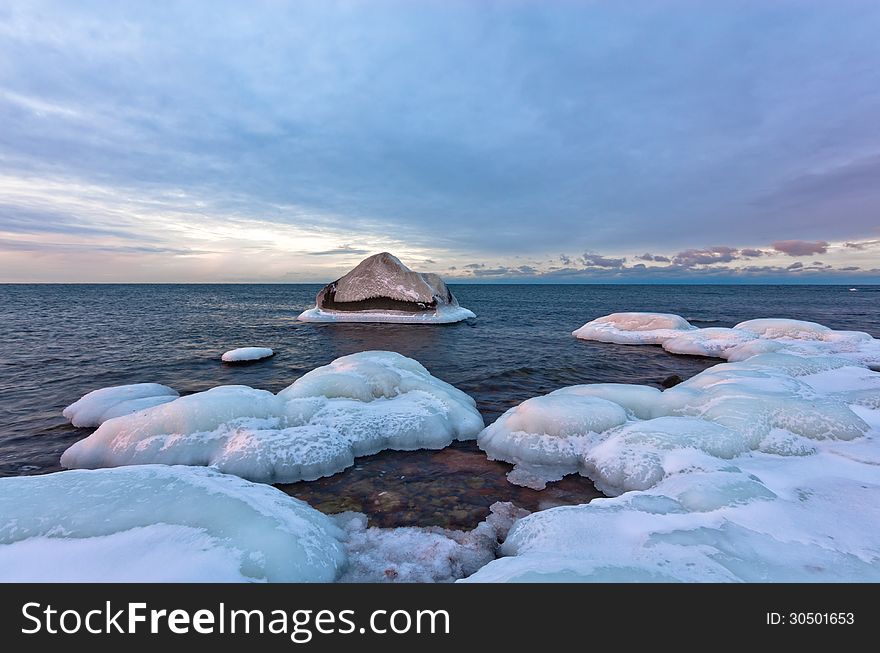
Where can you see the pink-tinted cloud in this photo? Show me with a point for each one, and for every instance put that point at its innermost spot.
(801, 247)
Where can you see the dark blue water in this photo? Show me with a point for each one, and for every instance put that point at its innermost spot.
(58, 342)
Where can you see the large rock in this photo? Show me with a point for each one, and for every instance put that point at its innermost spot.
(382, 289)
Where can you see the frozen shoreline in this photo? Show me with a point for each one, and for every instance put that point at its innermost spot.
(761, 470)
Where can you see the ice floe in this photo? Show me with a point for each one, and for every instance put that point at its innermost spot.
(246, 354)
(762, 470)
(746, 339)
(382, 289)
(156, 523)
(634, 328)
(98, 406)
(357, 405)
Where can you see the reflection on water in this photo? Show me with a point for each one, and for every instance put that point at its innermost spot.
(452, 488)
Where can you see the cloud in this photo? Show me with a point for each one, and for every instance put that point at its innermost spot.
(863, 245)
(709, 256)
(344, 249)
(800, 247)
(653, 257)
(492, 272)
(748, 252)
(294, 127)
(474, 266)
(591, 259)
(795, 266)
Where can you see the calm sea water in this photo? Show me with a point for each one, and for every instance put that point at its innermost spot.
(58, 342)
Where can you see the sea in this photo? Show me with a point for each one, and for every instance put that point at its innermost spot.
(58, 342)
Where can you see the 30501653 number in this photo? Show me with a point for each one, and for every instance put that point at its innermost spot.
(820, 618)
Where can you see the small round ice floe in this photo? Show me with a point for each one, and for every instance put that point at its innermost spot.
(96, 407)
(634, 328)
(356, 406)
(246, 354)
(157, 523)
(545, 437)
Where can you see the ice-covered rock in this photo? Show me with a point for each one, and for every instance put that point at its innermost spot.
(634, 328)
(246, 354)
(761, 470)
(355, 406)
(156, 523)
(746, 339)
(98, 406)
(382, 289)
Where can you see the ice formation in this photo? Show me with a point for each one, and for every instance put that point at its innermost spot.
(244, 354)
(156, 523)
(744, 340)
(357, 405)
(382, 289)
(634, 328)
(98, 406)
(422, 555)
(762, 470)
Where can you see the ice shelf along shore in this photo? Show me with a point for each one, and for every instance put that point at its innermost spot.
(746, 339)
(765, 469)
(355, 406)
(158, 523)
(382, 289)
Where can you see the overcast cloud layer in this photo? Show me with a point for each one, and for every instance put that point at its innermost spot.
(533, 141)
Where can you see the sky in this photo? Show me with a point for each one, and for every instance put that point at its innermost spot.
(509, 141)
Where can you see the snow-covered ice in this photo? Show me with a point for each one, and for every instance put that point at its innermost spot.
(154, 523)
(746, 339)
(98, 406)
(762, 470)
(243, 354)
(356, 406)
(634, 328)
(382, 289)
